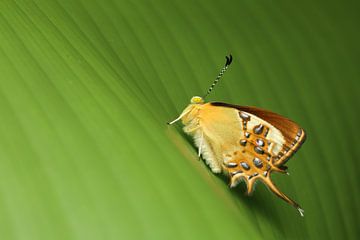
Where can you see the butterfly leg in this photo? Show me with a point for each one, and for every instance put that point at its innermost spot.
(201, 143)
(280, 194)
(188, 129)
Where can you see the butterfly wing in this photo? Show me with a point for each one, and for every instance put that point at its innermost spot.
(283, 135)
(266, 141)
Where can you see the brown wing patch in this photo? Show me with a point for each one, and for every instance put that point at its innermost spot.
(293, 134)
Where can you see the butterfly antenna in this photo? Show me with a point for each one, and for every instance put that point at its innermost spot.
(223, 70)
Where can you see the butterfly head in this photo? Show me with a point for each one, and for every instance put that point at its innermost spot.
(197, 100)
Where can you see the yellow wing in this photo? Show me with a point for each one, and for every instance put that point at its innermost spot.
(250, 143)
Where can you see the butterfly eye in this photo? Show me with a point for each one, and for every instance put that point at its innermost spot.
(197, 99)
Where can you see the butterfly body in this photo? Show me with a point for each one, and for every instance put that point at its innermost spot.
(213, 130)
(246, 143)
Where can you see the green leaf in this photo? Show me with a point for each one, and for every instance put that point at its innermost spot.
(87, 87)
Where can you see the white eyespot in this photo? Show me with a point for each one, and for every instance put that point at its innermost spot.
(197, 99)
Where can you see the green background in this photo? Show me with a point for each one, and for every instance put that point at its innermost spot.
(86, 88)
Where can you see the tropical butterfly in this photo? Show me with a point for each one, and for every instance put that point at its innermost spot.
(246, 143)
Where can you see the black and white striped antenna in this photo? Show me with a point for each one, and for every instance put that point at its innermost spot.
(223, 70)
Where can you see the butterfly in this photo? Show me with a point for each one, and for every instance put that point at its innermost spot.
(245, 143)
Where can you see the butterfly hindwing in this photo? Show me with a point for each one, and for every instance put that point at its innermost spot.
(266, 142)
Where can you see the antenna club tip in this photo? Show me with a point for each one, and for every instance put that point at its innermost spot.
(228, 60)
